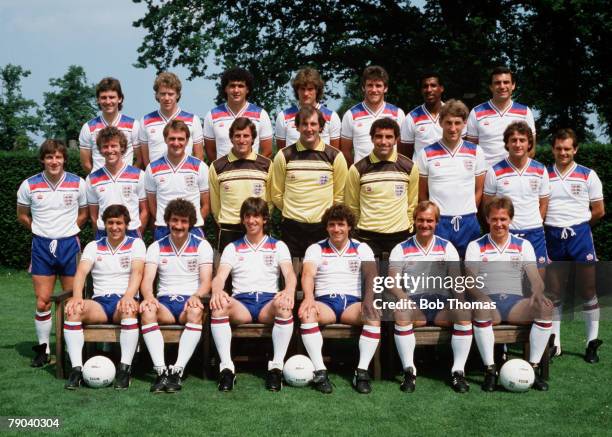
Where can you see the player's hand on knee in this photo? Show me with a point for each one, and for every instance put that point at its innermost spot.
(219, 300)
(538, 300)
(150, 304)
(307, 308)
(127, 305)
(74, 306)
(284, 300)
(369, 311)
(194, 302)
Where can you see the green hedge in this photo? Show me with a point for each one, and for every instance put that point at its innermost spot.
(17, 166)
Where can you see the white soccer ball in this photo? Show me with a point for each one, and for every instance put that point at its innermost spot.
(516, 375)
(98, 371)
(298, 371)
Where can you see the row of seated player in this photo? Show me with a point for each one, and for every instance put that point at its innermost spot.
(331, 281)
(420, 128)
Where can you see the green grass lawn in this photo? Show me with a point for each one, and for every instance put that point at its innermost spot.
(579, 402)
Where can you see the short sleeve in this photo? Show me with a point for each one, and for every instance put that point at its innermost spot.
(143, 136)
(335, 126)
(347, 125)
(229, 256)
(472, 125)
(85, 140)
(481, 163)
(196, 130)
(89, 253)
(139, 250)
(421, 162)
(209, 131)
(280, 129)
(282, 252)
(134, 134)
(205, 253)
(451, 252)
(152, 256)
(545, 184)
(397, 254)
(23, 194)
(594, 186)
(490, 185)
(313, 254)
(365, 252)
(149, 181)
(140, 186)
(92, 195)
(407, 130)
(82, 194)
(528, 252)
(472, 257)
(529, 119)
(401, 116)
(265, 126)
(203, 177)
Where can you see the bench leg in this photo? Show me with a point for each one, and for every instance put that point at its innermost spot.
(206, 338)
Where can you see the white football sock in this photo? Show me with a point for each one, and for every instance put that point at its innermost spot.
(222, 334)
(187, 344)
(281, 337)
(368, 342)
(591, 312)
(128, 339)
(461, 342)
(73, 333)
(538, 339)
(485, 340)
(155, 344)
(313, 342)
(405, 344)
(43, 323)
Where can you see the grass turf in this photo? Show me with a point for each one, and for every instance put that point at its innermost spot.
(579, 401)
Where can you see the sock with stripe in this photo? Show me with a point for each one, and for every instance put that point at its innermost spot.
(538, 339)
(128, 339)
(405, 344)
(187, 344)
(281, 337)
(313, 342)
(556, 323)
(222, 334)
(591, 312)
(485, 340)
(43, 323)
(461, 342)
(73, 333)
(155, 344)
(368, 342)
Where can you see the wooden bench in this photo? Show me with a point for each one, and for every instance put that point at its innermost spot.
(109, 333)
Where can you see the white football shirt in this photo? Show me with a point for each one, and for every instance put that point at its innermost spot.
(285, 125)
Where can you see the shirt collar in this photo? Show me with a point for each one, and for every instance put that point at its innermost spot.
(231, 157)
(374, 159)
(320, 147)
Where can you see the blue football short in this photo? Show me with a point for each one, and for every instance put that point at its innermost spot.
(52, 257)
(573, 243)
(430, 313)
(109, 304)
(538, 241)
(175, 304)
(504, 303)
(338, 302)
(254, 302)
(459, 230)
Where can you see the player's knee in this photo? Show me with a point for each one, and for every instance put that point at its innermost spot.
(309, 317)
(43, 304)
(148, 315)
(194, 315)
(283, 313)
(220, 313)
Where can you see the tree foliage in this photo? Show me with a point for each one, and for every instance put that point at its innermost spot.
(17, 119)
(558, 48)
(71, 104)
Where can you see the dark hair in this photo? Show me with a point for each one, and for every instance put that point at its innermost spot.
(454, 108)
(115, 211)
(374, 72)
(307, 111)
(176, 125)
(564, 134)
(236, 74)
(110, 84)
(108, 133)
(500, 70)
(521, 128)
(308, 76)
(500, 202)
(430, 74)
(424, 205)
(339, 212)
(255, 206)
(242, 123)
(168, 80)
(181, 208)
(385, 123)
(49, 147)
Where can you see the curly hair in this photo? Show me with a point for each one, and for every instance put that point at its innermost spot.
(181, 208)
